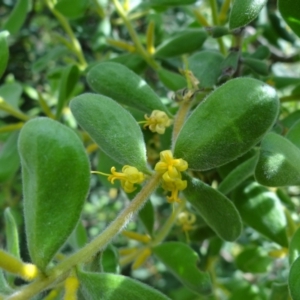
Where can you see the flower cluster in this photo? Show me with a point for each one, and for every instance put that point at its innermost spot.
(171, 169)
(129, 176)
(158, 121)
(186, 220)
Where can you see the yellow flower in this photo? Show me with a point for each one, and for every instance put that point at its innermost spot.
(129, 176)
(186, 220)
(171, 169)
(174, 187)
(158, 121)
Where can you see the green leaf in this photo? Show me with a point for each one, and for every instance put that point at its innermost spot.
(17, 17)
(68, 81)
(124, 86)
(261, 52)
(109, 260)
(253, 259)
(238, 175)
(294, 279)
(290, 11)
(293, 134)
(5, 289)
(78, 238)
(220, 129)
(56, 173)
(11, 232)
(12, 240)
(216, 209)
(181, 260)
(11, 93)
(205, 65)
(256, 65)
(105, 286)
(230, 64)
(146, 214)
(279, 291)
(9, 158)
(279, 162)
(171, 80)
(71, 8)
(261, 209)
(186, 41)
(4, 52)
(113, 128)
(132, 61)
(244, 11)
(294, 247)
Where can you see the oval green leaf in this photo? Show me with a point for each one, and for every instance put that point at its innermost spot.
(290, 11)
(206, 66)
(216, 209)
(124, 86)
(294, 279)
(181, 260)
(105, 286)
(186, 41)
(220, 129)
(261, 209)
(245, 11)
(112, 127)
(4, 53)
(279, 162)
(55, 173)
(11, 93)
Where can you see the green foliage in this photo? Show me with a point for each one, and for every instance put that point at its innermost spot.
(186, 113)
(219, 130)
(54, 166)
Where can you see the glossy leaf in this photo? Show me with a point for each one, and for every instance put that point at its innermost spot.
(112, 127)
(290, 11)
(262, 210)
(186, 41)
(238, 175)
(55, 172)
(181, 260)
(9, 158)
(17, 17)
(105, 286)
(244, 11)
(171, 80)
(220, 129)
(11, 93)
(294, 247)
(253, 260)
(124, 86)
(279, 162)
(205, 65)
(294, 279)
(71, 8)
(68, 82)
(293, 134)
(216, 209)
(4, 52)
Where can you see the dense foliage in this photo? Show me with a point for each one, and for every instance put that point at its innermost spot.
(149, 149)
